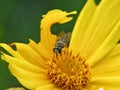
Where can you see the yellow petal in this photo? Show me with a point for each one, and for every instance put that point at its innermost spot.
(33, 84)
(81, 26)
(22, 63)
(105, 19)
(27, 52)
(10, 50)
(55, 16)
(26, 74)
(28, 78)
(109, 65)
(95, 86)
(56, 88)
(41, 51)
(106, 46)
(105, 81)
(30, 55)
(46, 87)
(96, 29)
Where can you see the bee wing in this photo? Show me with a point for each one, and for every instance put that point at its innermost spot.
(64, 36)
(68, 36)
(61, 34)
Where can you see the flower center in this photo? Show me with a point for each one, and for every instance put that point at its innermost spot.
(68, 71)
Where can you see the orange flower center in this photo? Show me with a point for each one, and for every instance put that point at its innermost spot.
(68, 72)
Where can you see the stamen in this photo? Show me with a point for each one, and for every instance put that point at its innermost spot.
(68, 72)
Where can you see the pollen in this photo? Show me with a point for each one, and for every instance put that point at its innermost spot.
(68, 72)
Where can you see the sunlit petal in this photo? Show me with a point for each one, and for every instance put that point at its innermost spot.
(95, 31)
(111, 81)
(46, 87)
(26, 74)
(106, 47)
(28, 78)
(109, 65)
(10, 50)
(22, 63)
(95, 86)
(34, 83)
(100, 28)
(81, 26)
(29, 54)
(43, 53)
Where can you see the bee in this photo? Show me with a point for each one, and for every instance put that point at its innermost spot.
(62, 41)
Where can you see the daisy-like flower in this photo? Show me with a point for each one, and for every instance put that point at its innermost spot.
(90, 62)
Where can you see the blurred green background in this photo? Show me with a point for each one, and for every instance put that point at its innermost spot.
(19, 21)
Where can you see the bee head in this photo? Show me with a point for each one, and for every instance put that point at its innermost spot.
(57, 50)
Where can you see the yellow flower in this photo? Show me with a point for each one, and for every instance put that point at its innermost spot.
(91, 62)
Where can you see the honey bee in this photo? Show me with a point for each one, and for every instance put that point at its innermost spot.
(62, 41)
